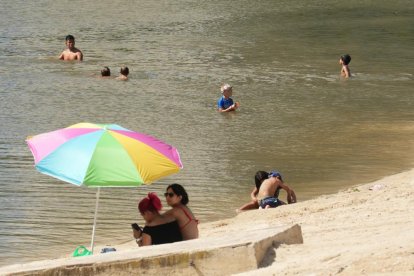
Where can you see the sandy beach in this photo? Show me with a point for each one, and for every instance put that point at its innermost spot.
(364, 230)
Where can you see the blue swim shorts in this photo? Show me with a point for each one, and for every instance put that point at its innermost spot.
(271, 201)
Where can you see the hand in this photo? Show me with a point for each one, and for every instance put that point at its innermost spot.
(137, 234)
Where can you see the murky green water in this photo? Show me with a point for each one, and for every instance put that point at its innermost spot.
(281, 57)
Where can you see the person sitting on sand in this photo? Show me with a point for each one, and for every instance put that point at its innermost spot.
(259, 177)
(158, 229)
(71, 53)
(177, 197)
(225, 103)
(105, 72)
(344, 60)
(269, 191)
(123, 74)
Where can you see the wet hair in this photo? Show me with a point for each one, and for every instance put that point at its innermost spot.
(69, 37)
(346, 59)
(124, 71)
(259, 177)
(150, 203)
(105, 72)
(179, 191)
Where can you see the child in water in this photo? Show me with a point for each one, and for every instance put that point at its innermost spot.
(105, 72)
(344, 61)
(123, 73)
(225, 103)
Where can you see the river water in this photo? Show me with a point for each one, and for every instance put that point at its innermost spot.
(297, 115)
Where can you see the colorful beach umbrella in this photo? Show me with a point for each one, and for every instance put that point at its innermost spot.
(103, 155)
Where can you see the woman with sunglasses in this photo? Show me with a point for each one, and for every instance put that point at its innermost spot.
(159, 229)
(177, 198)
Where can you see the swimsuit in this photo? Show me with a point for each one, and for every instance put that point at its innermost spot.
(269, 201)
(190, 218)
(272, 201)
(224, 103)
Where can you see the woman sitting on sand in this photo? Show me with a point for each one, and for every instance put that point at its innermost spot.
(159, 229)
(177, 198)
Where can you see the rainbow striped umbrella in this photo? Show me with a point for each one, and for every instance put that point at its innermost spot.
(103, 155)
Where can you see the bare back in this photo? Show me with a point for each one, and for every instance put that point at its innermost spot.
(268, 187)
(186, 220)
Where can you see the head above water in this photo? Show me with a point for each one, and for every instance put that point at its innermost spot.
(150, 203)
(225, 87)
(70, 37)
(179, 191)
(106, 72)
(124, 71)
(346, 59)
(70, 42)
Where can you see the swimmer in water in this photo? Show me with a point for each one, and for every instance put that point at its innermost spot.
(344, 61)
(71, 53)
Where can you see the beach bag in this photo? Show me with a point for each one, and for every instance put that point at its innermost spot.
(81, 251)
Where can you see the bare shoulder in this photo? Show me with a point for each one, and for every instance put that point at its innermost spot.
(169, 212)
(175, 212)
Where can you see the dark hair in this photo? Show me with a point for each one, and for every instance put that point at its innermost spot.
(69, 37)
(259, 177)
(179, 191)
(124, 71)
(346, 59)
(105, 72)
(150, 203)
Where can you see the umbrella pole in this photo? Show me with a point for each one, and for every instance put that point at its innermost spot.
(94, 219)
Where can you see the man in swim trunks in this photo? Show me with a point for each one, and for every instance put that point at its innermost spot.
(71, 53)
(269, 191)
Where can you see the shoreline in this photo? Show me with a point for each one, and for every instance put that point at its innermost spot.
(365, 229)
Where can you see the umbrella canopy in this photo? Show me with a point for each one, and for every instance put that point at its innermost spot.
(103, 155)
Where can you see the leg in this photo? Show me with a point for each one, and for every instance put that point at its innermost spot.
(249, 206)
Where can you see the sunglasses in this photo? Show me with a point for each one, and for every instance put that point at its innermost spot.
(169, 194)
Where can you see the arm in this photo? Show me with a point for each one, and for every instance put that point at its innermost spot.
(291, 197)
(62, 56)
(231, 108)
(79, 55)
(220, 105)
(171, 214)
(146, 240)
(254, 193)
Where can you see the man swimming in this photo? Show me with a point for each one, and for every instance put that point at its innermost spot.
(71, 53)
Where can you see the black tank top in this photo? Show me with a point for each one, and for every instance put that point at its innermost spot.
(164, 233)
